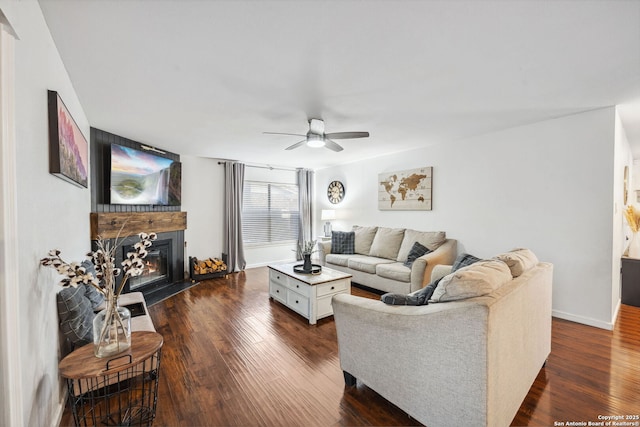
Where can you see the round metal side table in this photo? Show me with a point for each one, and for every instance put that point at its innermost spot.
(121, 390)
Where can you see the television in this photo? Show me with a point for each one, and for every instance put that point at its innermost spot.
(141, 178)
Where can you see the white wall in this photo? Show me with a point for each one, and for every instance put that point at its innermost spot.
(10, 378)
(547, 186)
(202, 199)
(51, 213)
(635, 182)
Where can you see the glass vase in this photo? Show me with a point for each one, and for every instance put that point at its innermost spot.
(111, 330)
(633, 251)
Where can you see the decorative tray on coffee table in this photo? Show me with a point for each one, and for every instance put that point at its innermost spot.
(315, 269)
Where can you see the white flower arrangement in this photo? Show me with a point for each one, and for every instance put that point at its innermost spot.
(103, 258)
(113, 334)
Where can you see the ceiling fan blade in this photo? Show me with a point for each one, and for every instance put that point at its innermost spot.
(296, 145)
(281, 133)
(332, 145)
(347, 135)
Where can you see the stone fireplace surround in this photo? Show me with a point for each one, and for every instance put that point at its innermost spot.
(169, 226)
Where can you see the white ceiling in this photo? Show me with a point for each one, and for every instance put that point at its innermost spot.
(206, 78)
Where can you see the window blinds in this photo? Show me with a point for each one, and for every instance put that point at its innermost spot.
(269, 213)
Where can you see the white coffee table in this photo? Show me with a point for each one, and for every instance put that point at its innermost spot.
(307, 294)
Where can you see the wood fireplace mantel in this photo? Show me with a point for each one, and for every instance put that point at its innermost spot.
(107, 224)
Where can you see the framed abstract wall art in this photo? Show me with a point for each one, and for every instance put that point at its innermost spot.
(68, 148)
(408, 190)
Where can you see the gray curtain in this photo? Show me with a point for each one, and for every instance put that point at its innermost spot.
(305, 196)
(232, 245)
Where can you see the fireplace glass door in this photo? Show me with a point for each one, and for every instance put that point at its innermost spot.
(156, 268)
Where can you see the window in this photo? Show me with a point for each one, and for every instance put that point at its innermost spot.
(269, 213)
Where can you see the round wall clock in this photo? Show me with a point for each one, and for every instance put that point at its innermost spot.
(335, 192)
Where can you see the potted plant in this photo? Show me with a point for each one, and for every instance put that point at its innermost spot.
(305, 249)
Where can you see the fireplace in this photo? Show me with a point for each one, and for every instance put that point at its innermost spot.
(165, 268)
(157, 267)
(164, 264)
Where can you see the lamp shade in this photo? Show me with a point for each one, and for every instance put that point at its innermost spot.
(328, 214)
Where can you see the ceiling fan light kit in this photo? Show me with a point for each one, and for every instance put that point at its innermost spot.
(316, 137)
(314, 140)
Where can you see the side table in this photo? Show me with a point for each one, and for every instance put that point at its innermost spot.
(630, 292)
(121, 390)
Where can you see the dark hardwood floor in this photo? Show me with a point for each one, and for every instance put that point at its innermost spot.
(232, 357)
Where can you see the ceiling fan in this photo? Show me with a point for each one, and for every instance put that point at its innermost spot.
(316, 137)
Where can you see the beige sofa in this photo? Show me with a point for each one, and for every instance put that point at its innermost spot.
(380, 253)
(468, 362)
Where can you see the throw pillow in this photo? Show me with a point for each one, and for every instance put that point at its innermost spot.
(364, 238)
(431, 239)
(519, 260)
(76, 315)
(464, 260)
(425, 293)
(95, 297)
(417, 250)
(420, 297)
(398, 299)
(342, 242)
(478, 279)
(387, 242)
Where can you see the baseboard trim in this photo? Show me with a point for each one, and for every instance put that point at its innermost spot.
(616, 312)
(57, 417)
(584, 320)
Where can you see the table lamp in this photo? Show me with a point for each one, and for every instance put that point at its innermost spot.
(327, 214)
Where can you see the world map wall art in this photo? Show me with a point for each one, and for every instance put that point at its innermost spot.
(408, 190)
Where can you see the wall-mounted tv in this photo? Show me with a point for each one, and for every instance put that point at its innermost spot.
(141, 178)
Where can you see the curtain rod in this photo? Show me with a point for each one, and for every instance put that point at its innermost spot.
(264, 167)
